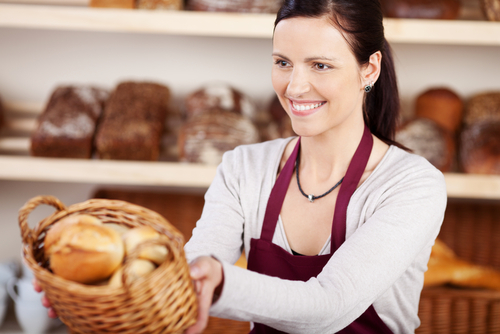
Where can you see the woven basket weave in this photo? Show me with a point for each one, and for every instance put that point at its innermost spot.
(161, 302)
(472, 230)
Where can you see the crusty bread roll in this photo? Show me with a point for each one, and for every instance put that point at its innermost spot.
(138, 235)
(421, 9)
(138, 268)
(442, 105)
(54, 233)
(480, 148)
(120, 228)
(482, 107)
(445, 267)
(426, 138)
(83, 251)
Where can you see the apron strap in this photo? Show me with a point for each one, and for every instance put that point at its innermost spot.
(277, 196)
(351, 180)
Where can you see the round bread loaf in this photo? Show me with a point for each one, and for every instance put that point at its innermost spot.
(83, 251)
(219, 96)
(138, 268)
(421, 9)
(138, 235)
(426, 138)
(251, 6)
(205, 137)
(480, 148)
(482, 107)
(442, 105)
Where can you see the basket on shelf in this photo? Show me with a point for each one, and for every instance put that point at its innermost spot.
(472, 230)
(164, 301)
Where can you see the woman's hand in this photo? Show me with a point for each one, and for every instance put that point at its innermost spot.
(208, 278)
(45, 302)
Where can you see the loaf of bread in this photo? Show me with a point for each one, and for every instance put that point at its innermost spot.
(482, 107)
(442, 105)
(445, 267)
(242, 6)
(134, 237)
(421, 9)
(222, 96)
(82, 249)
(426, 138)
(67, 125)
(138, 268)
(480, 148)
(491, 9)
(204, 137)
(281, 118)
(126, 4)
(161, 4)
(133, 122)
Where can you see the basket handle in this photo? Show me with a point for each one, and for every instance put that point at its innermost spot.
(134, 254)
(26, 232)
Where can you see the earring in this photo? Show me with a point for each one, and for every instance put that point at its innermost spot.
(368, 87)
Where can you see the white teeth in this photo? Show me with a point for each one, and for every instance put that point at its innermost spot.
(302, 107)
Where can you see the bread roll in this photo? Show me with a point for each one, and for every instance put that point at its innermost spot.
(445, 267)
(480, 148)
(54, 233)
(491, 9)
(426, 138)
(482, 107)
(84, 252)
(421, 9)
(138, 268)
(442, 105)
(120, 228)
(138, 235)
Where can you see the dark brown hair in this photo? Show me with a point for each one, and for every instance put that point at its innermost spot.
(361, 23)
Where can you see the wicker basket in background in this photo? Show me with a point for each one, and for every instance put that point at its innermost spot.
(472, 230)
(162, 302)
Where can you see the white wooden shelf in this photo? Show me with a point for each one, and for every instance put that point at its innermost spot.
(81, 18)
(169, 174)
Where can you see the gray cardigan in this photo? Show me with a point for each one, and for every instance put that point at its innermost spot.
(393, 219)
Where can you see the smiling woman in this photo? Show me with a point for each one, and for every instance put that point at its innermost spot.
(338, 222)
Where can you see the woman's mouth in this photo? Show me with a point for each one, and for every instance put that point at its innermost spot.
(304, 109)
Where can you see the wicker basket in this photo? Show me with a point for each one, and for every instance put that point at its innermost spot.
(472, 230)
(161, 302)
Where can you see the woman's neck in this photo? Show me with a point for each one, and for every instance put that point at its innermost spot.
(328, 155)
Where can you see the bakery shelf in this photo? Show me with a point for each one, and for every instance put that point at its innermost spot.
(458, 32)
(172, 174)
(168, 174)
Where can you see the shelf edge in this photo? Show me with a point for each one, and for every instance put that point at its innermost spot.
(22, 168)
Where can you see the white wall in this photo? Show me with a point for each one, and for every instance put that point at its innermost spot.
(32, 62)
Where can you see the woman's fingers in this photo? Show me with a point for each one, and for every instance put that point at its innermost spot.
(207, 275)
(45, 302)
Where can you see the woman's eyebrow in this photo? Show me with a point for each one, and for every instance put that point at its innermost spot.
(309, 59)
(275, 54)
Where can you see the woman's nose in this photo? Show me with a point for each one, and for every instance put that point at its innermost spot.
(298, 85)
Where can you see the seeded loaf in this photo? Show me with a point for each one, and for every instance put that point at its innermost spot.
(133, 122)
(67, 125)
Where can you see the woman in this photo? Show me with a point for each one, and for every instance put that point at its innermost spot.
(362, 271)
(337, 223)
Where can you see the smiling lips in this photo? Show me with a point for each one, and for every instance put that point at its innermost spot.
(303, 109)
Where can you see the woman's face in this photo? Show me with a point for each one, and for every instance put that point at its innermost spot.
(316, 76)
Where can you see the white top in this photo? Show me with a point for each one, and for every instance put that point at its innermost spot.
(393, 219)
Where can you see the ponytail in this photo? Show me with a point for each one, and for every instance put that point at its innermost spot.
(382, 105)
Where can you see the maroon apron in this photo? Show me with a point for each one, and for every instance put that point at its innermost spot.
(270, 259)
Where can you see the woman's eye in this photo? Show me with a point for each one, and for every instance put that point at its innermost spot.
(321, 66)
(281, 63)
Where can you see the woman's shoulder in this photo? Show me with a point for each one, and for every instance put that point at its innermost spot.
(255, 153)
(402, 165)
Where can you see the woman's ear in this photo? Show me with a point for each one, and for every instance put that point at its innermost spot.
(371, 70)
